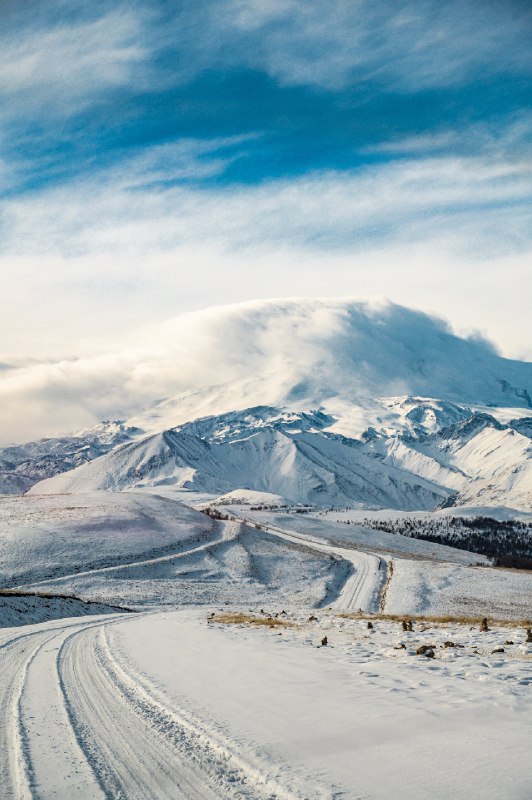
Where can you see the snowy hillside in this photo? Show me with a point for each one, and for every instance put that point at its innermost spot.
(327, 402)
(472, 460)
(144, 551)
(23, 465)
(262, 449)
(485, 462)
(44, 537)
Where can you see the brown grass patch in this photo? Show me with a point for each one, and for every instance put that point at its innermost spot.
(464, 620)
(238, 618)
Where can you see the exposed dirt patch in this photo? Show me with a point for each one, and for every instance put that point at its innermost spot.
(384, 592)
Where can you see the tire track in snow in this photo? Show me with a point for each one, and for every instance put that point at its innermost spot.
(55, 762)
(38, 757)
(15, 774)
(78, 722)
(129, 760)
(137, 747)
(359, 591)
(235, 772)
(362, 587)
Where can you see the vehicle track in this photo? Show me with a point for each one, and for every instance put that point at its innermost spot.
(363, 585)
(77, 722)
(139, 747)
(16, 655)
(28, 664)
(131, 758)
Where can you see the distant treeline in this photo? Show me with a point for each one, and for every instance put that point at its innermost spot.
(507, 542)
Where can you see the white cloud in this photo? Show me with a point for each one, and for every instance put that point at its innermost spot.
(461, 199)
(58, 68)
(91, 260)
(401, 44)
(368, 347)
(89, 266)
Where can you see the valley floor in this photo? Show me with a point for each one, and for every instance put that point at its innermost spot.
(174, 705)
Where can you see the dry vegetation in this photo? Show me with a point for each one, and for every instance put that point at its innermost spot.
(463, 620)
(239, 618)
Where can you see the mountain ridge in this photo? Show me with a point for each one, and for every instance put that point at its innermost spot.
(320, 401)
(300, 457)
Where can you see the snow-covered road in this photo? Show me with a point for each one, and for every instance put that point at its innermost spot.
(366, 577)
(33, 709)
(75, 724)
(166, 706)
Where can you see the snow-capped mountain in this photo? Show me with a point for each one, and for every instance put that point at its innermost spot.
(263, 449)
(345, 357)
(322, 402)
(484, 461)
(476, 461)
(23, 465)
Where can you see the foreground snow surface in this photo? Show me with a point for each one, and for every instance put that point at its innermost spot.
(169, 705)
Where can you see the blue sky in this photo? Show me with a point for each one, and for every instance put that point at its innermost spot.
(298, 86)
(162, 156)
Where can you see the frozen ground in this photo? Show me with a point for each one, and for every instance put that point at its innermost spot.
(357, 536)
(18, 608)
(398, 575)
(46, 536)
(170, 705)
(142, 551)
(426, 587)
(173, 703)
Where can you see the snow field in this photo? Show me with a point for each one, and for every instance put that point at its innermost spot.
(42, 537)
(356, 718)
(426, 587)
(401, 579)
(294, 560)
(325, 527)
(171, 705)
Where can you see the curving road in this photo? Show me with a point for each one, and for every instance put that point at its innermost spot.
(77, 724)
(361, 590)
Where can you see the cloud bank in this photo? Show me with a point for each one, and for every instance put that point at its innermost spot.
(368, 348)
(160, 157)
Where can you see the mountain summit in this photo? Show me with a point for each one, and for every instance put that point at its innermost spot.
(322, 402)
(329, 354)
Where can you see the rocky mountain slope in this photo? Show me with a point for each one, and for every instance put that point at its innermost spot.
(475, 461)
(327, 402)
(21, 466)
